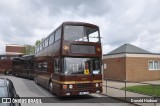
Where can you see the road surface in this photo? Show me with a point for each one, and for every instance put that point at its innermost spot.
(27, 88)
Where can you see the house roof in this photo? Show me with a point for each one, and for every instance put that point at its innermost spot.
(128, 48)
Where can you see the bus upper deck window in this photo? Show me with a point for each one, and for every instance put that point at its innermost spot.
(73, 33)
(92, 34)
(81, 33)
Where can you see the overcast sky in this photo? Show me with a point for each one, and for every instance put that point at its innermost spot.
(121, 21)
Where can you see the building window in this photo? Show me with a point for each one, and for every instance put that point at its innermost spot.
(12, 57)
(4, 58)
(154, 65)
(105, 66)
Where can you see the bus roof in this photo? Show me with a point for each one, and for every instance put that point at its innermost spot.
(71, 23)
(28, 55)
(79, 23)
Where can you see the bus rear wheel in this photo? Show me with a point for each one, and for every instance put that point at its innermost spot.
(16, 75)
(35, 80)
(29, 76)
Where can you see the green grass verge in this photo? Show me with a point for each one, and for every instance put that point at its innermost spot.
(144, 89)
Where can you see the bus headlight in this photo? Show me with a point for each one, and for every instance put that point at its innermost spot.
(70, 86)
(97, 85)
(98, 49)
(66, 47)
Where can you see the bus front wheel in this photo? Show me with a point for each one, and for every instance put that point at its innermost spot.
(50, 86)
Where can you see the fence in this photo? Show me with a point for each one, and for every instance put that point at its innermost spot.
(131, 91)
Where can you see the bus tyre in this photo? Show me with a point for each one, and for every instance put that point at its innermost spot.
(35, 80)
(29, 76)
(50, 86)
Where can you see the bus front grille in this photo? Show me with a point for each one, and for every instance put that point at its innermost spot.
(84, 86)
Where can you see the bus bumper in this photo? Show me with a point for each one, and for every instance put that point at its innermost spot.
(79, 92)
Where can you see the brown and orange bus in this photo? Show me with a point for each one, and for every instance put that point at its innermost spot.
(6, 63)
(68, 61)
(23, 66)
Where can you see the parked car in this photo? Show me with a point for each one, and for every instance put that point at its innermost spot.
(7, 90)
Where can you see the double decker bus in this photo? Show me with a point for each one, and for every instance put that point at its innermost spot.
(23, 66)
(6, 63)
(68, 61)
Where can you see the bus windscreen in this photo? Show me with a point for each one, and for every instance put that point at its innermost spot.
(81, 33)
(81, 66)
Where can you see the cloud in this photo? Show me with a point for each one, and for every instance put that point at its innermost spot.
(80, 7)
(2, 43)
(131, 21)
(120, 21)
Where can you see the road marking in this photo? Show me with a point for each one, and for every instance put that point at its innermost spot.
(41, 90)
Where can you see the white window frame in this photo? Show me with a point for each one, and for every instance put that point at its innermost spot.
(154, 69)
(105, 66)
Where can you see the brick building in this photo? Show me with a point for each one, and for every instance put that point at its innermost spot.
(12, 51)
(131, 63)
(15, 49)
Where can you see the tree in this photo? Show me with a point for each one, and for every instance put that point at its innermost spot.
(29, 49)
(37, 42)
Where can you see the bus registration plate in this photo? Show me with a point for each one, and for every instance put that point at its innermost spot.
(83, 93)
